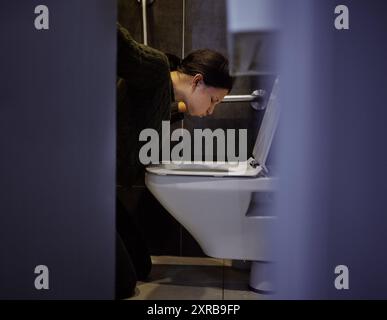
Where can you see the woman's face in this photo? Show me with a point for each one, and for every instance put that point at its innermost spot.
(202, 99)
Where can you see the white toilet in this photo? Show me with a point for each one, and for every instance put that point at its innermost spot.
(220, 205)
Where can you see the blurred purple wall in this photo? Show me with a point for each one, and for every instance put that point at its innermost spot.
(332, 208)
(57, 144)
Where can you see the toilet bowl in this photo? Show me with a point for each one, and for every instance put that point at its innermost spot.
(217, 212)
(225, 210)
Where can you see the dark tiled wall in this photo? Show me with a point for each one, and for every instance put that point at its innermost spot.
(205, 27)
(164, 21)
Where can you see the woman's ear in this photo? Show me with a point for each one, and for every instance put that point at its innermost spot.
(196, 80)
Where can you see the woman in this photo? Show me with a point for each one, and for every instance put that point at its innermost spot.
(154, 88)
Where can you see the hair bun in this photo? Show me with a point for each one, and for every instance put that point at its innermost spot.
(174, 61)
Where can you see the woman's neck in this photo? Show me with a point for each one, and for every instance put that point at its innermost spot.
(179, 85)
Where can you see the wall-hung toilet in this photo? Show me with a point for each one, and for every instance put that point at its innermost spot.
(221, 208)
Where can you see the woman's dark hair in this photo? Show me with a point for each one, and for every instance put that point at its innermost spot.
(212, 65)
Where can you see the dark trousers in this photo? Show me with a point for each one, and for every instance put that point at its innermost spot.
(133, 260)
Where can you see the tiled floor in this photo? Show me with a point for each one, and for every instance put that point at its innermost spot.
(182, 278)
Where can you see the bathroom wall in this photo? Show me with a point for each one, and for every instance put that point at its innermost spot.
(204, 27)
(164, 23)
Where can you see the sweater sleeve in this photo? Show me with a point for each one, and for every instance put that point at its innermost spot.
(141, 66)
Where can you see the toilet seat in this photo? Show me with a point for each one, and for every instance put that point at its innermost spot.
(208, 168)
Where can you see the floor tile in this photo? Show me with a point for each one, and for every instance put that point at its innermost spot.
(196, 275)
(182, 278)
(242, 295)
(154, 291)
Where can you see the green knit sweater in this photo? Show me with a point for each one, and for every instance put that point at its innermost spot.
(143, 101)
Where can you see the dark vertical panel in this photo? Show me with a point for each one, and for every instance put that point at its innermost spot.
(57, 142)
(304, 149)
(356, 235)
(333, 173)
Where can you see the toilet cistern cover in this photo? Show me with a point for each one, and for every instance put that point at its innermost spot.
(268, 127)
